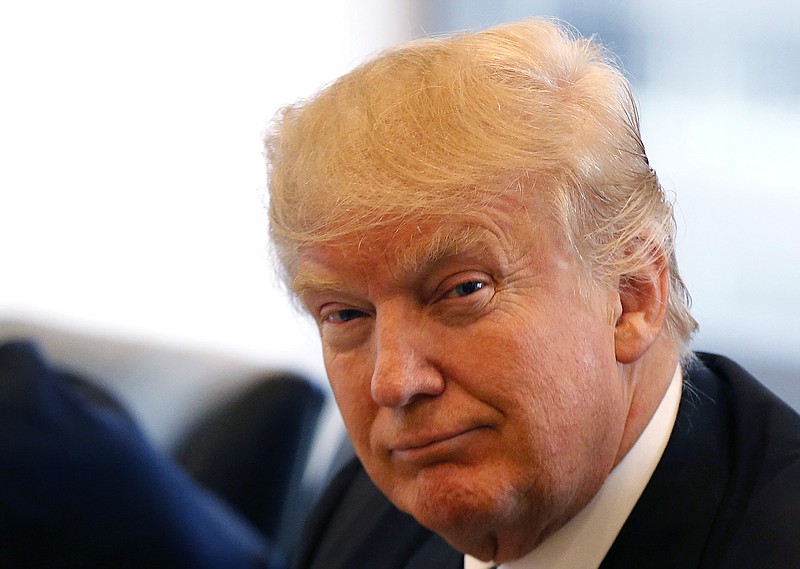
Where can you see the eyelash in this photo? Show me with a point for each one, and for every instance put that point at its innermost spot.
(478, 285)
(349, 314)
(343, 316)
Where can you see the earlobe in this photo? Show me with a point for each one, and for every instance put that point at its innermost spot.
(643, 297)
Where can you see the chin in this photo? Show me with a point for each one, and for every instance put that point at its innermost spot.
(488, 516)
(457, 505)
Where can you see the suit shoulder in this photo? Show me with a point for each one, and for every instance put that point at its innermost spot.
(762, 498)
(324, 509)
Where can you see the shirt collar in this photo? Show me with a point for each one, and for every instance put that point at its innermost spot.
(583, 542)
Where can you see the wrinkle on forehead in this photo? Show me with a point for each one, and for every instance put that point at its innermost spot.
(408, 250)
(414, 245)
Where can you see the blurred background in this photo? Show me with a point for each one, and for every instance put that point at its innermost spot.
(132, 176)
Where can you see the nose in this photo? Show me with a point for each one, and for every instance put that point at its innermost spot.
(404, 369)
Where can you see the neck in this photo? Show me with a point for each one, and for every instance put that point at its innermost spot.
(648, 377)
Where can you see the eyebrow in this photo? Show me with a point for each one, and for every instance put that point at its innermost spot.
(314, 282)
(415, 257)
(445, 243)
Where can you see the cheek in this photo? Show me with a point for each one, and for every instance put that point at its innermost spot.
(557, 381)
(349, 378)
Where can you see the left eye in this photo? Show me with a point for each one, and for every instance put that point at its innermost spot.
(467, 288)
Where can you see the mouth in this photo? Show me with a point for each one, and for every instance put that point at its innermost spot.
(434, 446)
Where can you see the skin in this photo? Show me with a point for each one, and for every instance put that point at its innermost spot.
(483, 393)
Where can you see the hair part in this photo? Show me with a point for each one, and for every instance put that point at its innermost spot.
(439, 126)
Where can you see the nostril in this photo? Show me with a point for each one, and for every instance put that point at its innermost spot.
(403, 368)
(391, 384)
(403, 379)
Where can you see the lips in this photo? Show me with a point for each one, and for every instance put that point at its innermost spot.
(432, 444)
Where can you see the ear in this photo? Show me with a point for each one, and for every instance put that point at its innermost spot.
(644, 297)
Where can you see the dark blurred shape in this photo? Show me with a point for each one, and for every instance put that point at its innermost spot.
(252, 452)
(81, 486)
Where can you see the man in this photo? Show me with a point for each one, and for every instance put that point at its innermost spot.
(473, 223)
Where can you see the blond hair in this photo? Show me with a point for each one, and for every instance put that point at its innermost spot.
(429, 129)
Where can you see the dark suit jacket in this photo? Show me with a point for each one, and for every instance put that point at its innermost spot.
(726, 494)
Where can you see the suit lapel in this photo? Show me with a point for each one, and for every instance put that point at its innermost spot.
(682, 499)
(362, 529)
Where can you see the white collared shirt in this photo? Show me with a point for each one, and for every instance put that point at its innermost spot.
(583, 542)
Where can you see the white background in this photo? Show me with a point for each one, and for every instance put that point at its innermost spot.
(132, 179)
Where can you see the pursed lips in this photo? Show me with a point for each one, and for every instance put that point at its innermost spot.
(407, 445)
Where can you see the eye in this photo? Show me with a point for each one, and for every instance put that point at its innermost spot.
(466, 288)
(342, 316)
(466, 297)
(342, 326)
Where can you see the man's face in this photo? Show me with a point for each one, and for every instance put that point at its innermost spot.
(479, 387)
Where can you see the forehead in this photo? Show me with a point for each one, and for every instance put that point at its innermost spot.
(503, 231)
(408, 248)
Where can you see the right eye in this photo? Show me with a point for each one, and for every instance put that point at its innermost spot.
(342, 316)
